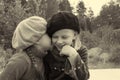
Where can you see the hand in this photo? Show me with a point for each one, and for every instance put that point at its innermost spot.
(68, 51)
(71, 53)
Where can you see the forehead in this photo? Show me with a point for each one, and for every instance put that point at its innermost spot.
(64, 32)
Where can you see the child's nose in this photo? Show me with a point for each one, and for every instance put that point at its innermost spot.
(59, 41)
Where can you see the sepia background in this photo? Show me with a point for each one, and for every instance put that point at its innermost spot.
(100, 29)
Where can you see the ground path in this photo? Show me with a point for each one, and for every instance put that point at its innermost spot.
(105, 74)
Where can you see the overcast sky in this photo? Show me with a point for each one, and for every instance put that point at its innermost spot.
(94, 4)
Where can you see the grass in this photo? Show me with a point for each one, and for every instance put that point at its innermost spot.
(100, 65)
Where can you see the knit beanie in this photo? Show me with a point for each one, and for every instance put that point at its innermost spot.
(28, 32)
(62, 20)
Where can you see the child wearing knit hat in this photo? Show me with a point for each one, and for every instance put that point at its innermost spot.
(67, 60)
(31, 43)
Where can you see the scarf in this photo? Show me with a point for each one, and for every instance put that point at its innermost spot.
(68, 68)
(38, 66)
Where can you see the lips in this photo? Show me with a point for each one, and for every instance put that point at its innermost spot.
(59, 47)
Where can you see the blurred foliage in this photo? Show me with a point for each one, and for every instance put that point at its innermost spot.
(115, 56)
(88, 39)
(65, 6)
(105, 35)
(57, 5)
(4, 57)
(109, 15)
(53, 7)
(84, 20)
(104, 46)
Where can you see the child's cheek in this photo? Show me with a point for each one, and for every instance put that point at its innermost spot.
(46, 42)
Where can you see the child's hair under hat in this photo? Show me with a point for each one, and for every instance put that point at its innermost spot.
(62, 20)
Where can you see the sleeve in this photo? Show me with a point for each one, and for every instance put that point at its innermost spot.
(79, 68)
(82, 71)
(14, 70)
(83, 52)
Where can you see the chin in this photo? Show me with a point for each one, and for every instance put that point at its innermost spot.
(59, 49)
(43, 53)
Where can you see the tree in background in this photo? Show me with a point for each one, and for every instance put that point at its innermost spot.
(1, 23)
(90, 13)
(12, 14)
(81, 8)
(118, 1)
(52, 8)
(85, 24)
(64, 5)
(35, 7)
(109, 15)
(91, 17)
(107, 30)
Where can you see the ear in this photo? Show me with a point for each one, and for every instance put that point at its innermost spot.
(77, 42)
(75, 35)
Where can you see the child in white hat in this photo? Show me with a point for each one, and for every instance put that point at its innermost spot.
(31, 43)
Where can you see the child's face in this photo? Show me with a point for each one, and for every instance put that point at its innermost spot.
(63, 37)
(42, 45)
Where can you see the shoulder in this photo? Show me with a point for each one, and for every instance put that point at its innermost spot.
(15, 68)
(18, 63)
(19, 60)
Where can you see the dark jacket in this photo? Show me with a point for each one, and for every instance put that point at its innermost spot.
(19, 67)
(59, 68)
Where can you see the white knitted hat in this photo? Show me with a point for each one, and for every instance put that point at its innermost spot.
(28, 32)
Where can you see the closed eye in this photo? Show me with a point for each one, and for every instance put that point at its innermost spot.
(64, 37)
(55, 37)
